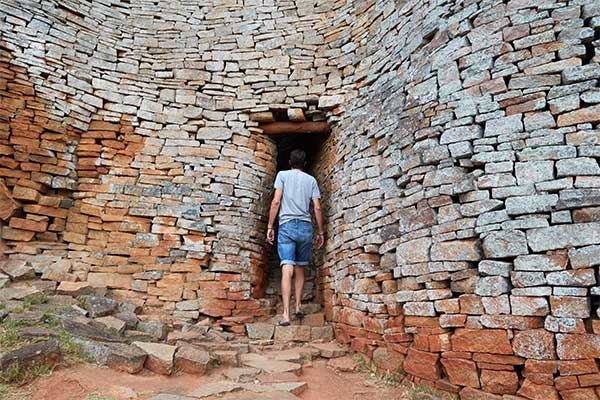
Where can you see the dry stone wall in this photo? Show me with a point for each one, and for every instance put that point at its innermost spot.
(129, 157)
(462, 175)
(464, 226)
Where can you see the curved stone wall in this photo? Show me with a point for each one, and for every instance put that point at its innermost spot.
(128, 139)
(462, 172)
(465, 224)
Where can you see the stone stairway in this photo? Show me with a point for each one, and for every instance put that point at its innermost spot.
(264, 361)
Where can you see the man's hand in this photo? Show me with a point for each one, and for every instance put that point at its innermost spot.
(270, 236)
(320, 240)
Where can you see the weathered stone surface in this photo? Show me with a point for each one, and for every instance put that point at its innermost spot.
(499, 382)
(422, 364)
(45, 353)
(537, 344)
(216, 389)
(17, 269)
(329, 350)
(260, 330)
(292, 333)
(413, 251)
(501, 244)
(456, 250)
(98, 306)
(160, 357)
(191, 360)
(481, 341)
(563, 236)
(461, 372)
(126, 358)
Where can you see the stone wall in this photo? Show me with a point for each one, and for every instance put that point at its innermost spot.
(462, 176)
(126, 137)
(465, 223)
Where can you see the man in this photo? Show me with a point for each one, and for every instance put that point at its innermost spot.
(294, 191)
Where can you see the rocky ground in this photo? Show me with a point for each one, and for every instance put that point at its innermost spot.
(81, 344)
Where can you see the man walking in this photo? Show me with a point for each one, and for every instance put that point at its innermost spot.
(294, 191)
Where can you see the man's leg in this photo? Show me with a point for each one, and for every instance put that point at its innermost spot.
(299, 284)
(287, 271)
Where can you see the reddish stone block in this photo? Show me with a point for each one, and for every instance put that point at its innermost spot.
(579, 367)
(589, 380)
(17, 235)
(439, 343)
(537, 392)
(546, 367)
(537, 344)
(422, 342)
(577, 347)
(461, 372)
(499, 382)
(498, 359)
(566, 382)
(579, 394)
(422, 364)
(481, 341)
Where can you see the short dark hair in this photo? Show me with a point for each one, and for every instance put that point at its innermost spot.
(297, 158)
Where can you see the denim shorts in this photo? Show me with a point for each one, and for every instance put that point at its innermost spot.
(294, 242)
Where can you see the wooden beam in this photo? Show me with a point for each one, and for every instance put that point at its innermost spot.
(280, 128)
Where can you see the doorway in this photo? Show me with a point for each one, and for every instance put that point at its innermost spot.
(312, 143)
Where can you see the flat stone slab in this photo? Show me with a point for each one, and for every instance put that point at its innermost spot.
(287, 355)
(274, 366)
(215, 389)
(17, 269)
(343, 364)
(330, 350)
(112, 323)
(17, 293)
(160, 357)
(242, 375)
(74, 288)
(43, 353)
(89, 331)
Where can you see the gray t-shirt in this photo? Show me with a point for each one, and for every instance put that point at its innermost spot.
(299, 188)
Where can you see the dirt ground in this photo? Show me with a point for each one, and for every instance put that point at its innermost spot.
(88, 382)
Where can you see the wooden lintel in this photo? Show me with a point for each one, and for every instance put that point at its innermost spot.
(280, 128)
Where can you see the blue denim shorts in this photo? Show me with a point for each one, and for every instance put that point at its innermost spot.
(294, 242)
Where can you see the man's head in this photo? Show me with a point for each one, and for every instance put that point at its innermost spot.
(297, 158)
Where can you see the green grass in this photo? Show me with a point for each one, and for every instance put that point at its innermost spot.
(34, 299)
(17, 375)
(10, 339)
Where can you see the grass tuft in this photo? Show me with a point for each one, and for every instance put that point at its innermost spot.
(17, 375)
(415, 392)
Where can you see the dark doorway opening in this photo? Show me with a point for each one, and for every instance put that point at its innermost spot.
(312, 144)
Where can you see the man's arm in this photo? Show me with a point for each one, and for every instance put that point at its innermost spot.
(319, 218)
(273, 214)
